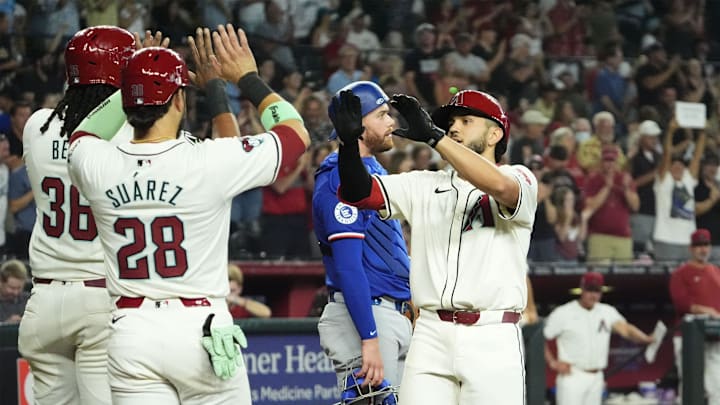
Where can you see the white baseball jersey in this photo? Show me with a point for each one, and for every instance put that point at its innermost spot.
(163, 209)
(583, 336)
(469, 252)
(64, 243)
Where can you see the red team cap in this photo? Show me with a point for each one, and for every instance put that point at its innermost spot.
(152, 76)
(97, 55)
(592, 281)
(473, 102)
(701, 237)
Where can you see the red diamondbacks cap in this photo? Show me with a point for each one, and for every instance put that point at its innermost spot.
(700, 237)
(592, 281)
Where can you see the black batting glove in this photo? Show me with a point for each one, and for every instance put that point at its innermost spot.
(421, 127)
(348, 118)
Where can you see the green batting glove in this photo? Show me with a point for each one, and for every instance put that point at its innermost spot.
(220, 343)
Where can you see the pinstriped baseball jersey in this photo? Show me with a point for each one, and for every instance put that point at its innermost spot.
(163, 209)
(469, 252)
(64, 243)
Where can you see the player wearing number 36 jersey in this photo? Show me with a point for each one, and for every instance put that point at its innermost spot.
(162, 208)
(64, 331)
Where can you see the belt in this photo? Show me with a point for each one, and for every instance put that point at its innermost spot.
(472, 317)
(99, 282)
(135, 302)
(593, 370)
(400, 306)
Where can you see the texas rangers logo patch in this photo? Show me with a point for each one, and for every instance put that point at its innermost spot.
(250, 142)
(346, 214)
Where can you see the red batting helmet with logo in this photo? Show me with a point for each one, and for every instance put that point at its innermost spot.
(152, 76)
(473, 102)
(97, 55)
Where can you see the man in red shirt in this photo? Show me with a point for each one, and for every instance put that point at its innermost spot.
(695, 289)
(610, 198)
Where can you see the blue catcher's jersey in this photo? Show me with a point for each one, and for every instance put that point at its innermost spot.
(384, 254)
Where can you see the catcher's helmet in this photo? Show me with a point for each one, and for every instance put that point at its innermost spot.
(152, 76)
(97, 55)
(370, 94)
(473, 102)
(354, 393)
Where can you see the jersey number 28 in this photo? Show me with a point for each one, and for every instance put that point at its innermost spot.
(167, 234)
(54, 187)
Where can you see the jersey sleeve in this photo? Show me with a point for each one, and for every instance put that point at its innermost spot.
(88, 156)
(553, 324)
(613, 315)
(242, 163)
(524, 212)
(398, 191)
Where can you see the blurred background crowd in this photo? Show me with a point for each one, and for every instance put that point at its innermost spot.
(590, 87)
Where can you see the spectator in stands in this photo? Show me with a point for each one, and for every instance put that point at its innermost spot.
(656, 74)
(361, 37)
(571, 90)
(684, 24)
(582, 328)
(21, 205)
(214, 12)
(348, 71)
(519, 73)
(285, 210)
(589, 153)
(400, 162)
(531, 139)
(610, 198)
(543, 243)
(320, 34)
(475, 68)
(449, 75)
(694, 86)
(563, 116)
(276, 34)
(547, 102)
(103, 12)
(565, 136)
(487, 48)
(10, 59)
(19, 114)
(609, 87)
(4, 184)
(694, 290)
(675, 198)
(707, 200)
(602, 25)
(13, 297)
(568, 31)
(293, 89)
(173, 20)
(643, 168)
(243, 307)
(556, 170)
(316, 120)
(570, 230)
(422, 64)
(583, 130)
(421, 156)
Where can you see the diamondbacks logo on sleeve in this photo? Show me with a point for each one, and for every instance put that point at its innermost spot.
(250, 142)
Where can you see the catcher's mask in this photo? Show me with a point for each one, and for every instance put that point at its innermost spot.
(353, 392)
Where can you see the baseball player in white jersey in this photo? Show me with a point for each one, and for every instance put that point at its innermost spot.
(64, 331)
(582, 328)
(470, 236)
(162, 209)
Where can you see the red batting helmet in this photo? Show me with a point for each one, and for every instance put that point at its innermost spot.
(97, 55)
(473, 102)
(152, 76)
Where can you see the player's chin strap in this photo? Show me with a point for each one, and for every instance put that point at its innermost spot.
(353, 392)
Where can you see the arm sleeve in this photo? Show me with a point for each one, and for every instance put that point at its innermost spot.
(524, 212)
(106, 119)
(614, 316)
(354, 284)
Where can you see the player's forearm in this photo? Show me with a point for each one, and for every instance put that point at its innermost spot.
(354, 285)
(638, 336)
(223, 120)
(480, 172)
(702, 310)
(258, 309)
(550, 359)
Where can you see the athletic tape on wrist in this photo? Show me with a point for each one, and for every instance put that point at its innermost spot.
(277, 112)
(254, 88)
(216, 97)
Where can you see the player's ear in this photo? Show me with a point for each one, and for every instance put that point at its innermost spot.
(495, 135)
(178, 100)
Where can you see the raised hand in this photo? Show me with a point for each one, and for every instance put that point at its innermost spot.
(151, 40)
(420, 126)
(232, 53)
(347, 119)
(207, 67)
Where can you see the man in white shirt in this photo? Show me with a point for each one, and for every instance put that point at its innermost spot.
(582, 329)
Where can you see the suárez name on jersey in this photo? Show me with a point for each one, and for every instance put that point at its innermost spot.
(145, 190)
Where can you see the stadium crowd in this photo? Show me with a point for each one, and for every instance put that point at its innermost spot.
(590, 87)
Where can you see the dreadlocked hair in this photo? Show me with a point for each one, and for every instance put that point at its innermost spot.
(76, 104)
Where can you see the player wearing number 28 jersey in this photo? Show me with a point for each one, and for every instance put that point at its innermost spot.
(162, 208)
(64, 331)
